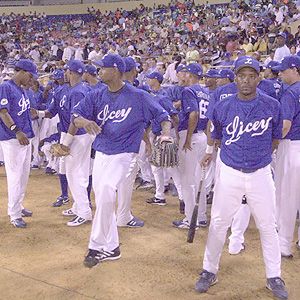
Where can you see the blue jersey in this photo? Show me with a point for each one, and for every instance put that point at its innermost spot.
(15, 100)
(290, 103)
(98, 85)
(194, 98)
(167, 105)
(124, 114)
(220, 93)
(273, 87)
(246, 130)
(174, 92)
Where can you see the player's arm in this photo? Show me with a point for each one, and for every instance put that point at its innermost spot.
(192, 125)
(146, 139)
(10, 124)
(275, 144)
(286, 127)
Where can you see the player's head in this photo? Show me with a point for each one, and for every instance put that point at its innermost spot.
(112, 68)
(225, 76)
(90, 72)
(26, 70)
(210, 78)
(289, 69)
(194, 72)
(181, 72)
(74, 70)
(269, 71)
(154, 80)
(247, 71)
(58, 75)
(130, 69)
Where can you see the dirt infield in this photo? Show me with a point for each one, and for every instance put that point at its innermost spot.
(44, 261)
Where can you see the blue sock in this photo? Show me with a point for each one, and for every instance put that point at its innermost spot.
(63, 185)
(89, 188)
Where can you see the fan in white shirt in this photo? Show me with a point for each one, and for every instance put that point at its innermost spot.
(282, 49)
(78, 52)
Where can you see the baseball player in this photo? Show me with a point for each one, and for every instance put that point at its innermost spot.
(15, 136)
(210, 79)
(225, 76)
(117, 114)
(246, 124)
(90, 77)
(287, 188)
(192, 143)
(56, 107)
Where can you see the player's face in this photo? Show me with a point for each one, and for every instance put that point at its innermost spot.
(26, 78)
(247, 80)
(222, 81)
(181, 78)
(108, 74)
(267, 73)
(152, 82)
(209, 81)
(85, 77)
(287, 76)
(67, 76)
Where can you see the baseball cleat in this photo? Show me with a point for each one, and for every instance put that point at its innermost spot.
(145, 185)
(236, 250)
(35, 167)
(18, 223)
(1, 163)
(182, 224)
(181, 207)
(26, 213)
(77, 221)
(287, 256)
(92, 258)
(156, 201)
(277, 286)
(202, 224)
(68, 213)
(135, 223)
(110, 255)
(61, 200)
(206, 280)
(50, 171)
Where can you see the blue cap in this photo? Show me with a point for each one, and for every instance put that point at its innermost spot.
(75, 66)
(28, 66)
(226, 73)
(227, 54)
(212, 73)
(180, 68)
(91, 70)
(298, 53)
(292, 61)
(272, 64)
(246, 61)
(57, 74)
(130, 64)
(112, 61)
(156, 75)
(282, 34)
(195, 69)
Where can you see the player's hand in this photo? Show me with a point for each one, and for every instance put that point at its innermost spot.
(34, 113)
(22, 138)
(91, 127)
(187, 145)
(206, 160)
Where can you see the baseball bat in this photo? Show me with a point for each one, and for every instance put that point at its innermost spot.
(193, 224)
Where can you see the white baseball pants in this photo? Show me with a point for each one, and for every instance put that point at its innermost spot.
(259, 189)
(190, 171)
(77, 171)
(53, 161)
(17, 166)
(37, 159)
(1, 154)
(108, 173)
(144, 164)
(290, 197)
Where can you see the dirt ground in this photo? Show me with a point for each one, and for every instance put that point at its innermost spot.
(44, 261)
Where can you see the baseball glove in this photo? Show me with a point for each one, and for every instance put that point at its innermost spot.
(164, 154)
(59, 150)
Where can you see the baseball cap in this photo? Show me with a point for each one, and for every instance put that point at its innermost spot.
(156, 75)
(227, 54)
(272, 64)
(112, 61)
(226, 73)
(57, 74)
(75, 66)
(212, 73)
(282, 34)
(130, 64)
(180, 68)
(246, 61)
(195, 69)
(28, 66)
(91, 70)
(288, 62)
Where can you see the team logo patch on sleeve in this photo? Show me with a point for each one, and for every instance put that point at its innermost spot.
(4, 101)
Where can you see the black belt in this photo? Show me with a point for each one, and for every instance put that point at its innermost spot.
(247, 171)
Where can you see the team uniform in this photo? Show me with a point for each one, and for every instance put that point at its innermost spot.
(17, 157)
(124, 115)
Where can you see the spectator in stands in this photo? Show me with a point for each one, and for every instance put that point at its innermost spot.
(282, 49)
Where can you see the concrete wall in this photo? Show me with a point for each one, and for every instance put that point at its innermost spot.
(82, 8)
